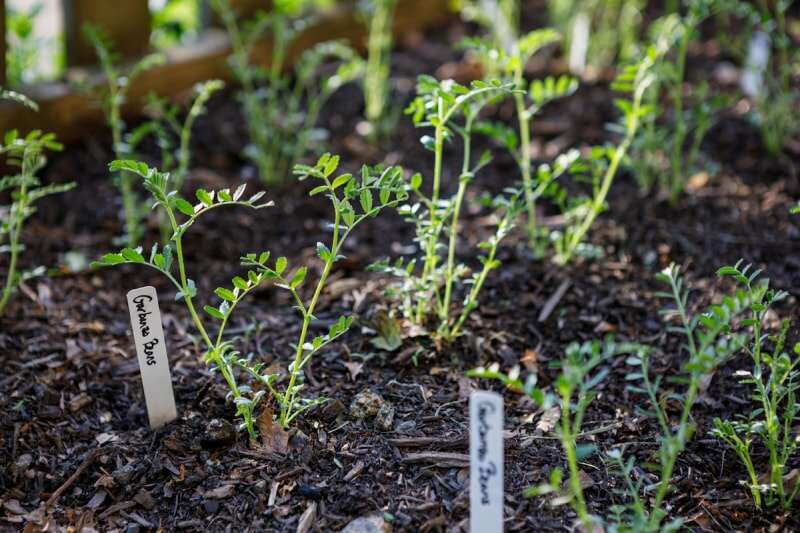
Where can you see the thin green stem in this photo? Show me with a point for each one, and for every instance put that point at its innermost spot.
(676, 167)
(429, 267)
(464, 179)
(597, 202)
(675, 444)
(288, 405)
(523, 118)
(13, 241)
(184, 280)
(568, 440)
(472, 298)
(377, 73)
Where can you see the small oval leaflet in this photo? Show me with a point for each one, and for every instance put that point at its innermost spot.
(151, 351)
(486, 462)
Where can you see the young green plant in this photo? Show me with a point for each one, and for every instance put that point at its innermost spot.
(508, 54)
(605, 161)
(376, 82)
(774, 380)
(575, 387)
(667, 151)
(113, 96)
(775, 102)
(611, 31)
(174, 137)
(710, 340)
(27, 153)
(281, 111)
(182, 215)
(451, 109)
(354, 200)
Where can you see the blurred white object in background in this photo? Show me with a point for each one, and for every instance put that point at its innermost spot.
(755, 65)
(580, 44)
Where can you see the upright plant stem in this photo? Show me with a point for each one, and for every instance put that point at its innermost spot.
(676, 161)
(464, 180)
(126, 187)
(212, 347)
(429, 267)
(287, 405)
(476, 289)
(525, 155)
(13, 241)
(678, 442)
(377, 73)
(598, 201)
(568, 438)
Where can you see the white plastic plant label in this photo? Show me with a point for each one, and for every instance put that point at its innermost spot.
(579, 46)
(755, 65)
(151, 350)
(486, 462)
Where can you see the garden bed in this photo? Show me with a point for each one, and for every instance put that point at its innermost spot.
(76, 449)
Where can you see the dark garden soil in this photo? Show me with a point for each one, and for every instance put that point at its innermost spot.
(76, 451)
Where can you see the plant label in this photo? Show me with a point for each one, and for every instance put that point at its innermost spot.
(486, 462)
(151, 351)
(755, 65)
(580, 44)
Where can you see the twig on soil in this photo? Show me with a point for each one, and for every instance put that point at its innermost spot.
(415, 442)
(74, 477)
(446, 459)
(308, 518)
(117, 507)
(595, 431)
(552, 302)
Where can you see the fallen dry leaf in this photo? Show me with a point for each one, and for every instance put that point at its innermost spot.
(273, 437)
(354, 368)
(530, 361)
(220, 493)
(548, 420)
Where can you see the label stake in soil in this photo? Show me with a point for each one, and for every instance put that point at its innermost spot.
(486, 462)
(151, 351)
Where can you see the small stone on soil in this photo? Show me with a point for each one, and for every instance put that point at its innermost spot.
(218, 433)
(365, 405)
(385, 417)
(368, 524)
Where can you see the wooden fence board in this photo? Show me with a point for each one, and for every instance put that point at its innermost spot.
(127, 23)
(70, 114)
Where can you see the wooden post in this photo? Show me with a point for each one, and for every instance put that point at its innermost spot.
(126, 22)
(3, 43)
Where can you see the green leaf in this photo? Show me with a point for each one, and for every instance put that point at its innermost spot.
(298, 277)
(318, 190)
(280, 265)
(134, 256)
(110, 260)
(204, 197)
(213, 311)
(331, 165)
(341, 180)
(225, 294)
(583, 451)
(323, 252)
(183, 206)
(365, 198)
(240, 283)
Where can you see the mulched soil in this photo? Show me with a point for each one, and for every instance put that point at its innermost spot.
(75, 448)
